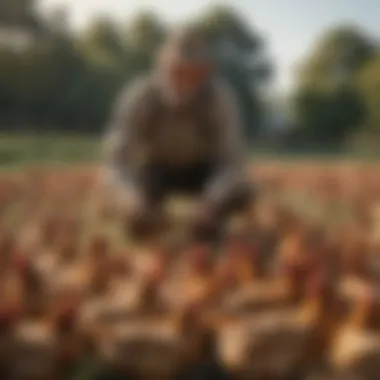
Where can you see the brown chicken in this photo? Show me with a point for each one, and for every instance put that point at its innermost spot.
(280, 344)
(356, 349)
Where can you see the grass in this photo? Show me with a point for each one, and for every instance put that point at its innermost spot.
(22, 150)
(19, 150)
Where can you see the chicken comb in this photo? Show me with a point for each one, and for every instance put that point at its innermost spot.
(316, 285)
(199, 251)
(9, 315)
(200, 256)
(21, 264)
(295, 266)
(194, 307)
(65, 315)
(6, 319)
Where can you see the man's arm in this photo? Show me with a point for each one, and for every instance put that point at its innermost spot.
(232, 149)
(123, 139)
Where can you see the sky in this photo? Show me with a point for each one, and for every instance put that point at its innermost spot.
(289, 26)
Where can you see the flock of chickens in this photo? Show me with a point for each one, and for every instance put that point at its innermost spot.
(292, 293)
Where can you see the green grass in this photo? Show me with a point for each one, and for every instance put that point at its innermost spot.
(19, 150)
(49, 149)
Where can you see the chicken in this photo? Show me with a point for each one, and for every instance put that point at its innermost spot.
(276, 345)
(355, 255)
(35, 352)
(7, 246)
(49, 231)
(74, 341)
(131, 298)
(282, 297)
(244, 255)
(191, 279)
(11, 314)
(283, 290)
(356, 349)
(25, 281)
(162, 347)
(149, 296)
(96, 268)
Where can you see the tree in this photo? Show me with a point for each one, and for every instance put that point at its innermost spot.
(367, 138)
(369, 89)
(101, 43)
(20, 13)
(338, 55)
(145, 32)
(327, 105)
(68, 80)
(327, 118)
(241, 56)
(143, 36)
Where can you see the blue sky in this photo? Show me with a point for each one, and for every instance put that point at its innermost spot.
(290, 26)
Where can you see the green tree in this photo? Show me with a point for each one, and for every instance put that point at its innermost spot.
(367, 138)
(338, 55)
(369, 89)
(19, 13)
(242, 59)
(325, 119)
(143, 36)
(327, 105)
(101, 43)
(104, 56)
(145, 32)
(68, 80)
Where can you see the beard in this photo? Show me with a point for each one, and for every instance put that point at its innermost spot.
(178, 94)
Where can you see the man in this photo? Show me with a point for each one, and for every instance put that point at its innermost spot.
(178, 130)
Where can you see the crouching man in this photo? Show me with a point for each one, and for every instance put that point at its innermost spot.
(178, 130)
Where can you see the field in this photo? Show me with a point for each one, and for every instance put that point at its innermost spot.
(46, 149)
(294, 295)
(33, 149)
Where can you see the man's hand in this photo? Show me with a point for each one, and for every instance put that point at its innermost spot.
(144, 220)
(207, 224)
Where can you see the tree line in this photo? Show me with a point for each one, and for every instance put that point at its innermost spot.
(67, 80)
(336, 100)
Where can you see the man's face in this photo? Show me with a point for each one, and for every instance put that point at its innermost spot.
(186, 64)
(186, 78)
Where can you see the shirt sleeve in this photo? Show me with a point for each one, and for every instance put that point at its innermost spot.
(123, 137)
(232, 148)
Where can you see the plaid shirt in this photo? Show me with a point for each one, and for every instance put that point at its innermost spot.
(144, 130)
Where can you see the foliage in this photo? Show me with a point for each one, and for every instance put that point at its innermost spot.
(336, 94)
(242, 60)
(70, 80)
